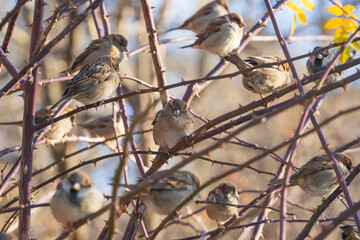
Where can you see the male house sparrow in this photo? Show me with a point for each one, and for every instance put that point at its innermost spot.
(163, 196)
(57, 130)
(320, 62)
(199, 20)
(222, 35)
(113, 45)
(95, 82)
(104, 127)
(350, 232)
(262, 80)
(224, 193)
(75, 198)
(317, 176)
(172, 124)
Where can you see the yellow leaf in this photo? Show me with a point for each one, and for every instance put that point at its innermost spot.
(333, 23)
(308, 4)
(340, 33)
(291, 5)
(293, 27)
(340, 39)
(355, 46)
(349, 8)
(335, 10)
(349, 25)
(351, 15)
(345, 55)
(301, 16)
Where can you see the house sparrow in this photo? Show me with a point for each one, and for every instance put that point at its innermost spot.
(104, 127)
(262, 80)
(350, 232)
(113, 45)
(320, 62)
(224, 193)
(163, 196)
(199, 20)
(318, 176)
(75, 198)
(172, 124)
(57, 130)
(95, 82)
(221, 36)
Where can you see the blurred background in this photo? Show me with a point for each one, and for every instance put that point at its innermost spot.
(219, 98)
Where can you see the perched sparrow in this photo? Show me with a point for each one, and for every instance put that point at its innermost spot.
(199, 20)
(172, 124)
(113, 45)
(221, 36)
(75, 198)
(163, 196)
(320, 62)
(224, 193)
(95, 82)
(262, 80)
(350, 232)
(57, 130)
(104, 127)
(318, 176)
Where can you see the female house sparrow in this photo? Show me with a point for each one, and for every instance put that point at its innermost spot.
(318, 176)
(57, 130)
(95, 82)
(350, 232)
(199, 20)
(320, 62)
(224, 193)
(163, 196)
(104, 127)
(221, 36)
(113, 45)
(262, 80)
(172, 124)
(75, 198)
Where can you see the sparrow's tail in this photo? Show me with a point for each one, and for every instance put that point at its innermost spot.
(67, 72)
(281, 181)
(17, 123)
(57, 104)
(191, 45)
(172, 29)
(238, 62)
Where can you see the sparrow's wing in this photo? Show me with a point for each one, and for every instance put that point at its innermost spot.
(258, 60)
(93, 46)
(202, 12)
(315, 165)
(158, 114)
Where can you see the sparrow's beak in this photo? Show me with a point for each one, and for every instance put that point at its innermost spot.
(228, 195)
(124, 49)
(77, 186)
(176, 112)
(242, 25)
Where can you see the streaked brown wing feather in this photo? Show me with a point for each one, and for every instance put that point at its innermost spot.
(93, 46)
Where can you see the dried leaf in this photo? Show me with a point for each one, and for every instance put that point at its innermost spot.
(308, 4)
(333, 23)
(301, 16)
